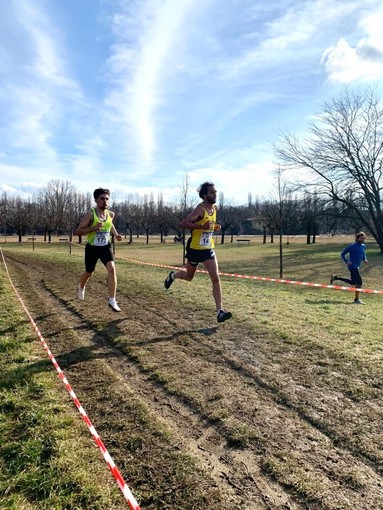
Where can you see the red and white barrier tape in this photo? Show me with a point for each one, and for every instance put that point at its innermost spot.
(261, 278)
(108, 459)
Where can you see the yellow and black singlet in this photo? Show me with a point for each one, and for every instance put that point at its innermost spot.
(203, 239)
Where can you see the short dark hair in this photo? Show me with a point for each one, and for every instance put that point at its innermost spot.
(203, 189)
(359, 234)
(100, 191)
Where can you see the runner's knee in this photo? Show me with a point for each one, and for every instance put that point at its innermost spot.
(111, 268)
(214, 278)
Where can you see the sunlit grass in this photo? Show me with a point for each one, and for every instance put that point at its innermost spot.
(288, 323)
(300, 314)
(46, 457)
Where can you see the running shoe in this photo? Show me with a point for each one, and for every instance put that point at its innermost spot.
(113, 305)
(359, 302)
(333, 277)
(169, 280)
(81, 293)
(223, 316)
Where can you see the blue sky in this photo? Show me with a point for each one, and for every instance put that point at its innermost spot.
(135, 94)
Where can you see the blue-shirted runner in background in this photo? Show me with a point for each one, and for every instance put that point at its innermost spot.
(353, 255)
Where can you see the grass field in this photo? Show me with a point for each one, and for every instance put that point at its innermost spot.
(279, 408)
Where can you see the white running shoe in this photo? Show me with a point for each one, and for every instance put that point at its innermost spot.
(113, 305)
(81, 293)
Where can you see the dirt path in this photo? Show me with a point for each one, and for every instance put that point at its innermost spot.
(266, 426)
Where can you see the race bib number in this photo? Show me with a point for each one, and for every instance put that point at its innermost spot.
(101, 239)
(205, 239)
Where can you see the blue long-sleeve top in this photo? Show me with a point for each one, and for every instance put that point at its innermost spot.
(356, 254)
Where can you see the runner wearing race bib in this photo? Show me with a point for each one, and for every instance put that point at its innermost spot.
(203, 239)
(200, 247)
(97, 225)
(100, 237)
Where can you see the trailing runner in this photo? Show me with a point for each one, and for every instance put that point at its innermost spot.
(97, 224)
(356, 254)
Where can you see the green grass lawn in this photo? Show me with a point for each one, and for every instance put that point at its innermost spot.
(40, 432)
(46, 458)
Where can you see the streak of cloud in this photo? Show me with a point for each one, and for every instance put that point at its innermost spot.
(140, 70)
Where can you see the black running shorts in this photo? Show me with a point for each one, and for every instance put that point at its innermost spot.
(196, 256)
(95, 253)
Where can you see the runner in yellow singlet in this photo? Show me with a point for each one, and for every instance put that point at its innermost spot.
(200, 247)
(97, 224)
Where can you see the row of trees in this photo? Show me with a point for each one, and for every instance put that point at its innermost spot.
(330, 181)
(59, 208)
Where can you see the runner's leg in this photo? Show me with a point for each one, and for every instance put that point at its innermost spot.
(212, 268)
(112, 278)
(188, 274)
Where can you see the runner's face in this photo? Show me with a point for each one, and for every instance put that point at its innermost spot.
(211, 196)
(102, 201)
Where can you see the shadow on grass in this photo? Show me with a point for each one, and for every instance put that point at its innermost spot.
(13, 328)
(22, 373)
(326, 302)
(175, 336)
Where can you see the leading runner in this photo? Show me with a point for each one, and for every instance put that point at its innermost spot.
(200, 247)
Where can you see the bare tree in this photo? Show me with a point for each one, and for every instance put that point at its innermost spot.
(79, 204)
(47, 216)
(282, 196)
(60, 194)
(343, 157)
(130, 215)
(3, 213)
(185, 207)
(33, 216)
(17, 215)
(269, 217)
(148, 214)
(55, 202)
(164, 217)
(230, 217)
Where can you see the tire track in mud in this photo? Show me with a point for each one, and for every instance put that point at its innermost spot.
(190, 432)
(240, 359)
(204, 438)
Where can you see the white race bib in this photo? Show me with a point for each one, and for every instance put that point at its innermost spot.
(101, 239)
(205, 239)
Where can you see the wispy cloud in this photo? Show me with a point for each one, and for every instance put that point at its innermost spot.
(141, 62)
(38, 88)
(46, 63)
(131, 94)
(285, 35)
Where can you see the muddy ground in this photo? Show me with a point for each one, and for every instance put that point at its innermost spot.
(268, 425)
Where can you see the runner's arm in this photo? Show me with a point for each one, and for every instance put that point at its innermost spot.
(114, 231)
(85, 225)
(189, 221)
